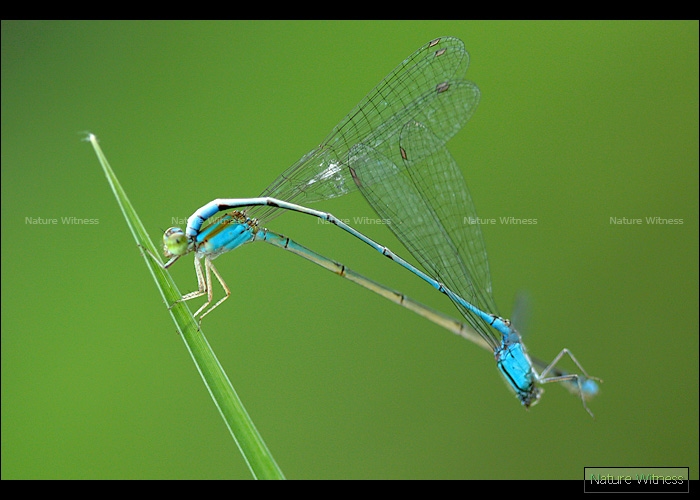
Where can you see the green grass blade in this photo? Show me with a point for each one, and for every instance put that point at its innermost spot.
(241, 427)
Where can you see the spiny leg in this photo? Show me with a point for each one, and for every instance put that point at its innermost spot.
(558, 357)
(204, 286)
(543, 379)
(209, 268)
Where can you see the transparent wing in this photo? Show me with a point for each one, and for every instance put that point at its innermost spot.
(421, 191)
(415, 90)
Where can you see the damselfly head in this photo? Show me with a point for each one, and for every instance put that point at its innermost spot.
(174, 242)
(532, 398)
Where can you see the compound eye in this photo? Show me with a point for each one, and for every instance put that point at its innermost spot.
(174, 242)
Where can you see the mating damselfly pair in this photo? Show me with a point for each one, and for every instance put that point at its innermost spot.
(392, 148)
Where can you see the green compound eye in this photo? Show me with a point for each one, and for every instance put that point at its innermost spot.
(174, 242)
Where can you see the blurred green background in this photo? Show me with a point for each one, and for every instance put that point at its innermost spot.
(578, 122)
